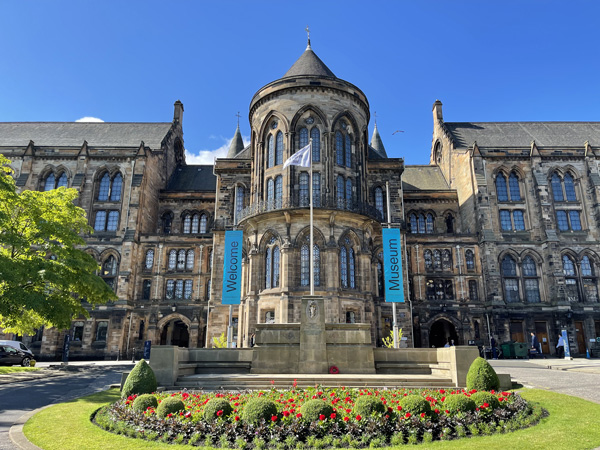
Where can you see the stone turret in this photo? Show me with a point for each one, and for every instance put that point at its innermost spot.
(377, 144)
(237, 144)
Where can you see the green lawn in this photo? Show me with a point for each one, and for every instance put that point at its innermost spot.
(572, 424)
(6, 370)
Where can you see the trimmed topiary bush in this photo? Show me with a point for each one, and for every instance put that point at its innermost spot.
(144, 401)
(215, 405)
(415, 404)
(482, 397)
(456, 403)
(481, 376)
(258, 409)
(169, 405)
(366, 405)
(312, 409)
(141, 380)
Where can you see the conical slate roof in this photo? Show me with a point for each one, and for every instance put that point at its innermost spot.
(237, 144)
(377, 143)
(309, 64)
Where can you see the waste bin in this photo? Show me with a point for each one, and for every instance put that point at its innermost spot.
(508, 350)
(521, 350)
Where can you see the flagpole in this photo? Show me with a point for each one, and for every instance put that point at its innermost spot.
(312, 261)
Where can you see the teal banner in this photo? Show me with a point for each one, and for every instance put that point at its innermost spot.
(392, 265)
(232, 268)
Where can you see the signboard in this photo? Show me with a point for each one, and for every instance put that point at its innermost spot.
(232, 268)
(147, 347)
(566, 341)
(392, 265)
(66, 345)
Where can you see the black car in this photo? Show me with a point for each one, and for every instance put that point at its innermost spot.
(9, 356)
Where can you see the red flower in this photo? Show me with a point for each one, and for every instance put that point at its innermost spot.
(332, 416)
(447, 412)
(408, 415)
(358, 417)
(298, 415)
(399, 408)
(346, 419)
(188, 415)
(286, 413)
(273, 418)
(437, 411)
(220, 412)
(236, 418)
(486, 405)
(422, 415)
(169, 415)
(442, 391)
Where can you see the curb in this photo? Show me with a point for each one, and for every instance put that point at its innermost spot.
(16, 434)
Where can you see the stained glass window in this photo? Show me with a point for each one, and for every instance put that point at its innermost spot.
(470, 260)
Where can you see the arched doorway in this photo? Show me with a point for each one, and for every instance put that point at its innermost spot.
(176, 333)
(440, 332)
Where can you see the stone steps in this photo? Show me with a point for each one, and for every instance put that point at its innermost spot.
(253, 381)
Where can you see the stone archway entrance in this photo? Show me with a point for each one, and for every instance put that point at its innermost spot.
(440, 332)
(176, 333)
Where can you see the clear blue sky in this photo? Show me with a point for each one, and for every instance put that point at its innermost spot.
(130, 60)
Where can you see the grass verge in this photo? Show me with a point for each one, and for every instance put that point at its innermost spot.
(572, 424)
(8, 370)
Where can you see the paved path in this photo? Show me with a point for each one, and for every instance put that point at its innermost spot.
(20, 397)
(579, 378)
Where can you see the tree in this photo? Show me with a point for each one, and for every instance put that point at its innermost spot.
(45, 276)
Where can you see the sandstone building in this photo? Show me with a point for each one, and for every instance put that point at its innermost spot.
(500, 229)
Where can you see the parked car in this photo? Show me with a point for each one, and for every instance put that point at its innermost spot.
(19, 346)
(9, 356)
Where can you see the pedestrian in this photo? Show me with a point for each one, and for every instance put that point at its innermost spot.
(494, 348)
(252, 340)
(535, 345)
(560, 347)
(447, 343)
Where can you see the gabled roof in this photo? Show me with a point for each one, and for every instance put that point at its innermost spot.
(309, 64)
(520, 134)
(423, 178)
(72, 134)
(192, 178)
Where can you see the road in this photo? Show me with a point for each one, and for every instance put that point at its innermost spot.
(20, 398)
(536, 375)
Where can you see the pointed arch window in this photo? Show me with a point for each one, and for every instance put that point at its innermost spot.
(110, 189)
(571, 281)
(429, 223)
(115, 189)
(149, 259)
(557, 191)
(339, 148)
(510, 280)
(270, 193)
(340, 192)
(104, 188)
(501, 190)
(170, 289)
(305, 265)
(279, 149)
(167, 222)
(515, 190)
(187, 224)
(347, 265)
(348, 151)
(379, 200)
(272, 260)
(110, 269)
(278, 191)
(316, 189)
(50, 182)
(530, 280)
(428, 257)
(240, 192)
(179, 289)
(270, 152)
(569, 188)
(62, 181)
(590, 282)
(187, 289)
(446, 260)
(437, 260)
(172, 259)
(303, 137)
(189, 261)
(304, 191)
(181, 260)
(348, 193)
(203, 223)
(315, 135)
(195, 224)
(414, 228)
(470, 260)
(421, 224)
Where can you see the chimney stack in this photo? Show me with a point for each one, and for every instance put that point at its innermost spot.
(178, 113)
(437, 112)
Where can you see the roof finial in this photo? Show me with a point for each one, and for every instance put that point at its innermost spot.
(308, 34)
(238, 116)
(375, 114)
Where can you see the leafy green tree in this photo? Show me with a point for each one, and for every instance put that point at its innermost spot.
(44, 273)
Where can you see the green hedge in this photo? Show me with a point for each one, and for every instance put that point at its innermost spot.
(258, 409)
(145, 401)
(481, 376)
(415, 404)
(457, 403)
(214, 406)
(367, 405)
(312, 409)
(141, 380)
(169, 405)
(482, 397)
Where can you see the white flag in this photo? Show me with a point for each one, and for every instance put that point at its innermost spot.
(301, 158)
